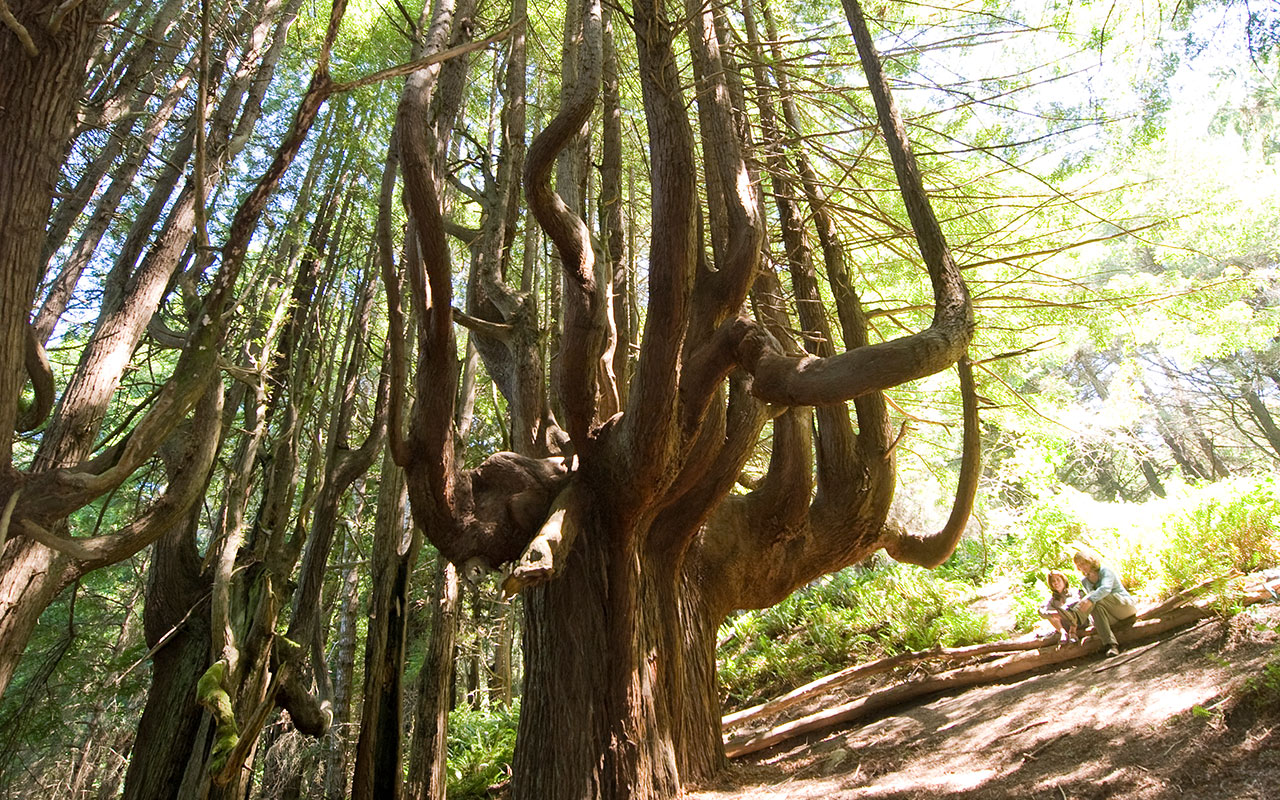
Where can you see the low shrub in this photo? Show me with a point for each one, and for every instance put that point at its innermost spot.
(1228, 525)
(854, 615)
(481, 745)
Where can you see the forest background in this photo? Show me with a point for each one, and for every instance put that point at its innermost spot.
(1105, 176)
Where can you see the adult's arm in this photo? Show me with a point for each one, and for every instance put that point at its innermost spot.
(1108, 583)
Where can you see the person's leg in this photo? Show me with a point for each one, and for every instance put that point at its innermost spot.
(1102, 624)
(1106, 612)
(1075, 623)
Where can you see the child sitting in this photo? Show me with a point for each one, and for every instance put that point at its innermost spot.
(1060, 609)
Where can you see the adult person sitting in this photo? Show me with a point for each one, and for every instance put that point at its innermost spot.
(1106, 601)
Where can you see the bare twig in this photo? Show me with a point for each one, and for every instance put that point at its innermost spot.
(421, 63)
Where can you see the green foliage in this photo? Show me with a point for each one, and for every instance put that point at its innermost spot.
(853, 615)
(75, 674)
(1262, 691)
(1228, 525)
(481, 743)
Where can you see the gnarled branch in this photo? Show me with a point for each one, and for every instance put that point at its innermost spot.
(546, 552)
(36, 362)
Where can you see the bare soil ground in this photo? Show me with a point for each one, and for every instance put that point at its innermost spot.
(1165, 719)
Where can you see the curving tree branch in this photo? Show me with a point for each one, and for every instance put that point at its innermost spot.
(36, 362)
(932, 550)
(586, 298)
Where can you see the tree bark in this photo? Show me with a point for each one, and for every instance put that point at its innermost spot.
(1262, 416)
(395, 549)
(632, 553)
(336, 740)
(44, 73)
(428, 754)
(177, 625)
(34, 567)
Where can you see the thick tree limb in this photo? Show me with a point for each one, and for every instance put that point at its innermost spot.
(951, 296)
(185, 488)
(784, 379)
(586, 298)
(810, 380)
(721, 291)
(437, 490)
(649, 426)
(397, 358)
(310, 715)
(494, 330)
(547, 551)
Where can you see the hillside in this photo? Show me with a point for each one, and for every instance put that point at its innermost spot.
(1189, 715)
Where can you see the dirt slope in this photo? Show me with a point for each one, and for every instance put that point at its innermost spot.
(1166, 719)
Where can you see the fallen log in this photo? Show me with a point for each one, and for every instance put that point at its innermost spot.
(1029, 642)
(959, 678)
(858, 671)
(1186, 595)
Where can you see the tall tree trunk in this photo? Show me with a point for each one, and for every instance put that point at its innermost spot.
(428, 753)
(31, 573)
(336, 741)
(500, 685)
(43, 78)
(43, 74)
(177, 625)
(1262, 416)
(604, 542)
(395, 549)
(148, 63)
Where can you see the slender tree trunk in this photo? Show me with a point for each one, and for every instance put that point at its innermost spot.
(395, 549)
(500, 686)
(177, 623)
(435, 681)
(30, 573)
(128, 99)
(122, 179)
(335, 768)
(1262, 416)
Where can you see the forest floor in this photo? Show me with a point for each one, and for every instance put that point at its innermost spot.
(1170, 718)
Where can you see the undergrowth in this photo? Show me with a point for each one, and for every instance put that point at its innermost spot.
(854, 615)
(481, 744)
(882, 608)
(1262, 691)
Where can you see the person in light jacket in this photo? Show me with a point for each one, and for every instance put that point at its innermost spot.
(1106, 601)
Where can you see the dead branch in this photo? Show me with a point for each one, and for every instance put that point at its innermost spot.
(1186, 595)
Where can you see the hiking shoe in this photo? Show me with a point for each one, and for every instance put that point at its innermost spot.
(1112, 651)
